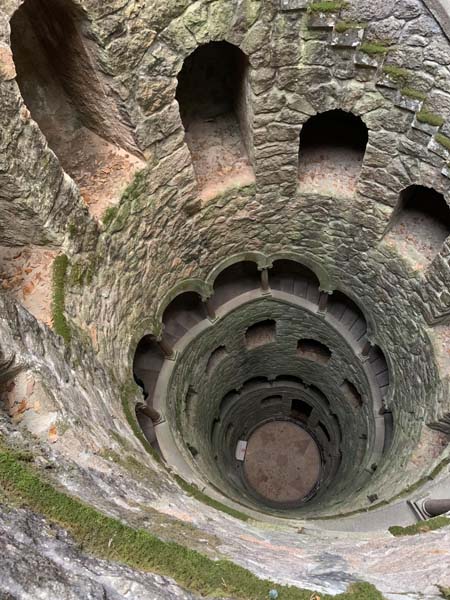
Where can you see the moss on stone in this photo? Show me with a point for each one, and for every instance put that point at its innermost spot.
(374, 48)
(443, 140)
(60, 325)
(397, 74)
(82, 272)
(445, 592)
(343, 26)
(412, 93)
(430, 118)
(327, 6)
(421, 527)
(193, 491)
(111, 539)
(109, 215)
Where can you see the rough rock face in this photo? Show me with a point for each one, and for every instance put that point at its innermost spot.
(388, 63)
(41, 561)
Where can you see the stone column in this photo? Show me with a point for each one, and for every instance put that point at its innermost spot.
(209, 309)
(323, 301)
(150, 412)
(265, 281)
(166, 348)
(434, 508)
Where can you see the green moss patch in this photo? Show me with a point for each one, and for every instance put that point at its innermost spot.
(445, 592)
(59, 320)
(421, 527)
(412, 93)
(327, 6)
(343, 26)
(430, 118)
(112, 540)
(397, 74)
(443, 140)
(193, 491)
(375, 48)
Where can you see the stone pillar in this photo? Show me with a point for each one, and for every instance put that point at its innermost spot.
(323, 301)
(209, 309)
(166, 348)
(265, 281)
(149, 411)
(366, 349)
(434, 508)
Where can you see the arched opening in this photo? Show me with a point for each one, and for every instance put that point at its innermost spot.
(332, 147)
(183, 313)
(67, 96)
(313, 350)
(148, 360)
(214, 97)
(260, 334)
(351, 394)
(215, 358)
(294, 278)
(300, 410)
(349, 315)
(420, 224)
(235, 280)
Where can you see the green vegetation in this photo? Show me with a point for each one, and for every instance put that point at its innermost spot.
(59, 321)
(327, 6)
(193, 491)
(343, 26)
(397, 74)
(109, 215)
(443, 140)
(374, 48)
(82, 272)
(110, 539)
(422, 527)
(445, 592)
(430, 118)
(411, 93)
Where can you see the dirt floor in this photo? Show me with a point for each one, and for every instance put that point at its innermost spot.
(328, 170)
(418, 237)
(100, 169)
(220, 159)
(26, 274)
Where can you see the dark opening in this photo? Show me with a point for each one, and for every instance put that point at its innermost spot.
(332, 147)
(183, 313)
(293, 278)
(348, 313)
(351, 394)
(235, 280)
(324, 431)
(313, 350)
(300, 410)
(64, 89)
(216, 358)
(148, 360)
(379, 367)
(420, 224)
(271, 400)
(260, 334)
(213, 94)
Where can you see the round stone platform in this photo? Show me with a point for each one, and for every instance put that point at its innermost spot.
(282, 462)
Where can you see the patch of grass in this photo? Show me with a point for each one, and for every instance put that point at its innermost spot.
(421, 527)
(326, 6)
(343, 26)
(111, 539)
(109, 215)
(374, 48)
(412, 93)
(397, 74)
(82, 272)
(430, 118)
(59, 320)
(193, 491)
(443, 140)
